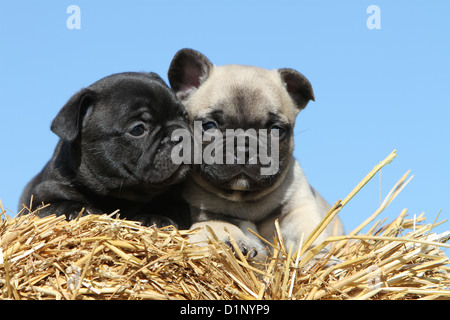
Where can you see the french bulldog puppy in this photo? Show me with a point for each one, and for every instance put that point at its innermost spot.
(114, 153)
(237, 196)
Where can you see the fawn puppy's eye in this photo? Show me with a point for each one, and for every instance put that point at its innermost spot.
(209, 125)
(279, 128)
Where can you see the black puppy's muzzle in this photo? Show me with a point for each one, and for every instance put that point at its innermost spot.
(180, 123)
(172, 127)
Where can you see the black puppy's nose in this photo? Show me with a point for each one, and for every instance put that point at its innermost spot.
(176, 140)
(178, 122)
(171, 136)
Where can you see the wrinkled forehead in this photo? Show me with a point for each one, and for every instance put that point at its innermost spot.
(128, 90)
(244, 91)
(145, 100)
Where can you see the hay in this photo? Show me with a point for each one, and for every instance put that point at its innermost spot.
(99, 257)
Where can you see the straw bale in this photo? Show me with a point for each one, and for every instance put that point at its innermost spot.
(101, 257)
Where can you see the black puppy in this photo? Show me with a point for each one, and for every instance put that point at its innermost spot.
(114, 153)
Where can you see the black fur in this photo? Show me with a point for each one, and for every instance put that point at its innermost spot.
(114, 153)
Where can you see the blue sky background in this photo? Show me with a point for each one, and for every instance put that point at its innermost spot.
(376, 90)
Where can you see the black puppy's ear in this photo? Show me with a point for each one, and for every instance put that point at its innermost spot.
(297, 86)
(67, 123)
(156, 77)
(188, 70)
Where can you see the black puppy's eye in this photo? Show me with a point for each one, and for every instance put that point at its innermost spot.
(137, 130)
(209, 125)
(279, 128)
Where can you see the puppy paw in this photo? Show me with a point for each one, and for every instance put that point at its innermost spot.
(248, 246)
(148, 220)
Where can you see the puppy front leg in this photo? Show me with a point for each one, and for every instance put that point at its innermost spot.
(70, 209)
(160, 221)
(247, 243)
(303, 220)
(59, 199)
(164, 211)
